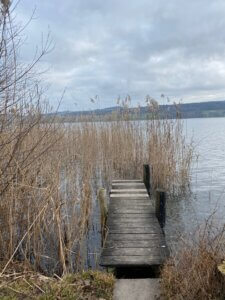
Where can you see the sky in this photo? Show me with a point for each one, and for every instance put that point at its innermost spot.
(112, 48)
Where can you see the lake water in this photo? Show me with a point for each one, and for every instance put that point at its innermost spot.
(207, 195)
(207, 188)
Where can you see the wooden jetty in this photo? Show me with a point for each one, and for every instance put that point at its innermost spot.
(135, 237)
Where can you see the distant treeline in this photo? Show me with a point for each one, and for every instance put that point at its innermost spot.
(187, 110)
(197, 110)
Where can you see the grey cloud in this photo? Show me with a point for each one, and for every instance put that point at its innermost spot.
(108, 48)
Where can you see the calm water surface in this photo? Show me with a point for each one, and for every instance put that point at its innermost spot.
(207, 196)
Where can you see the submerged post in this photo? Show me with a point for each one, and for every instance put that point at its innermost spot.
(147, 177)
(160, 206)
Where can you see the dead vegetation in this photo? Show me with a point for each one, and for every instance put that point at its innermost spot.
(23, 283)
(193, 272)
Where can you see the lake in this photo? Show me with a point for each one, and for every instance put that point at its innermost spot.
(207, 187)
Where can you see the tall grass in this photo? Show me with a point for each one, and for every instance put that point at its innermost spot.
(121, 148)
(50, 180)
(50, 172)
(193, 272)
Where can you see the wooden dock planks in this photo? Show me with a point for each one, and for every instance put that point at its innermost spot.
(134, 236)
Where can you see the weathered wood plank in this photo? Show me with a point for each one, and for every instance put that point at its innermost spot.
(153, 251)
(133, 236)
(120, 223)
(131, 216)
(131, 190)
(141, 210)
(129, 223)
(130, 195)
(130, 198)
(127, 210)
(149, 221)
(127, 220)
(137, 208)
(129, 203)
(153, 243)
(127, 185)
(121, 203)
(132, 230)
(131, 260)
(116, 211)
(126, 180)
(125, 204)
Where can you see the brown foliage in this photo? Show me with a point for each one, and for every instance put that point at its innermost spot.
(193, 272)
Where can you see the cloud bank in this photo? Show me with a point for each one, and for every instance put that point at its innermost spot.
(112, 48)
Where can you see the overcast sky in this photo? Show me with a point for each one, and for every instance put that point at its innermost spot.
(137, 47)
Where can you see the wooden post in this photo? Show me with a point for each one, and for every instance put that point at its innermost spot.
(147, 177)
(103, 211)
(160, 207)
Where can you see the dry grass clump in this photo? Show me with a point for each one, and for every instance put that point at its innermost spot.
(193, 273)
(32, 285)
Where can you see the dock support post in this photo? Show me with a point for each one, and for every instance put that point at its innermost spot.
(160, 206)
(103, 211)
(147, 177)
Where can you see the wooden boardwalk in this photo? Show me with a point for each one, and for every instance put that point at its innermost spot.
(134, 236)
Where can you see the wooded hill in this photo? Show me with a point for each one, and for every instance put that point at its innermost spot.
(186, 110)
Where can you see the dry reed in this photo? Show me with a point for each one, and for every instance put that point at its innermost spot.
(58, 174)
(193, 272)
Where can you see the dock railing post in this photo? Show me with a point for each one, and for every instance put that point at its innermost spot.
(147, 177)
(160, 206)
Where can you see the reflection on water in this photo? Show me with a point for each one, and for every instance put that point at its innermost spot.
(207, 189)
